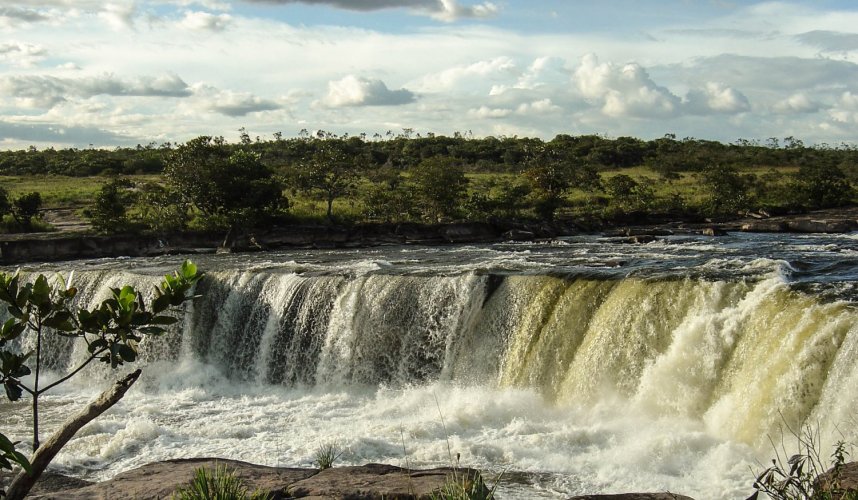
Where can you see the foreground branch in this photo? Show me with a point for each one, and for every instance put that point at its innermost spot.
(23, 482)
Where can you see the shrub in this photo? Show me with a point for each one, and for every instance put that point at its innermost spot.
(327, 454)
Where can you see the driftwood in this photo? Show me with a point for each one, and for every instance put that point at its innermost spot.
(23, 482)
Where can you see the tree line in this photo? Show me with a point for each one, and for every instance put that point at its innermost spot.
(209, 183)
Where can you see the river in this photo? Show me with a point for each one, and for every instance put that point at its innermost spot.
(580, 365)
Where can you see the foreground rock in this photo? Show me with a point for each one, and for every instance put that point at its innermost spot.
(634, 496)
(847, 481)
(159, 480)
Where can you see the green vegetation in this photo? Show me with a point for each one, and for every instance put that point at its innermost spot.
(805, 475)
(218, 484)
(208, 183)
(327, 454)
(111, 331)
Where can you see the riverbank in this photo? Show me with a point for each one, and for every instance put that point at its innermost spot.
(68, 245)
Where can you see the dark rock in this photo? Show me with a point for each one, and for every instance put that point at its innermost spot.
(822, 226)
(639, 239)
(634, 496)
(377, 481)
(518, 235)
(713, 231)
(765, 227)
(468, 232)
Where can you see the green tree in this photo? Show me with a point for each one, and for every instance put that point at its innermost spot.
(629, 195)
(822, 186)
(111, 331)
(228, 187)
(440, 185)
(728, 191)
(109, 213)
(25, 208)
(332, 171)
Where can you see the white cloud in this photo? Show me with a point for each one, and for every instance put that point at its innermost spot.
(484, 112)
(204, 21)
(119, 15)
(22, 54)
(442, 10)
(235, 104)
(47, 91)
(14, 16)
(624, 90)
(499, 67)
(358, 91)
(716, 98)
(540, 107)
(797, 103)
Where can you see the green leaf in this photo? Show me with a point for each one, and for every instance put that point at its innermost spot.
(13, 390)
(164, 320)
(12, 329)
(189, 270)
(126, 352)
(41, 293)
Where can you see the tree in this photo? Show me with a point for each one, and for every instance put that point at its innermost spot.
(332, 171)
(439, 184)
(227, 187)
(728, 191)
(628, 194)
(109, 214)
(822, 186)
(25, 208)
(111, 331)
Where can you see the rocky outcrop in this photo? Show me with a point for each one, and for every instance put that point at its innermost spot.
(822, 226)
(634, 496)
(377, 481)
(845, 481)
(159, 480)
(765, 226)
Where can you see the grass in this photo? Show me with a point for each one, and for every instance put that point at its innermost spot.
(60, 191)
(327, 454)
(217, 484)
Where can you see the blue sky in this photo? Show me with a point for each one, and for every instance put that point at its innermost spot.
(123, 72)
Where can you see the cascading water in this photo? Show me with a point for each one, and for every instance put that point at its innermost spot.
(573, 377)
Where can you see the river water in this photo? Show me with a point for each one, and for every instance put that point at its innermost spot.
(573, 366)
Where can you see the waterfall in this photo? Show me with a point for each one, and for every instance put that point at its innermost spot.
(739, 356)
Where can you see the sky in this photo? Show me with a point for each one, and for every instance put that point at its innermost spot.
(75, 73)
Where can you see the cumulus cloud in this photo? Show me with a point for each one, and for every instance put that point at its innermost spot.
(484, 112)
(204, 21)
(797, 103)
(358, 91)
(47, 91)
(716, 98)
(22, 54)
(540, 107)
(624, 90)
(443, 10)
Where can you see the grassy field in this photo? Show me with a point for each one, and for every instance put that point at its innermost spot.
(79, 193)
(61, 192)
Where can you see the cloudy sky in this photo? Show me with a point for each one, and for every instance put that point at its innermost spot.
(123, 72)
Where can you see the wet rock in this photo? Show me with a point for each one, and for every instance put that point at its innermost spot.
(377, 481)
(822, 226)
(765, 226)
(713, 231)
(639, 239)
(634, 496)
(161, 479)
(468, 232)
(518, 235)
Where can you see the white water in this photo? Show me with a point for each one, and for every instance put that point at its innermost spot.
(568, 385)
